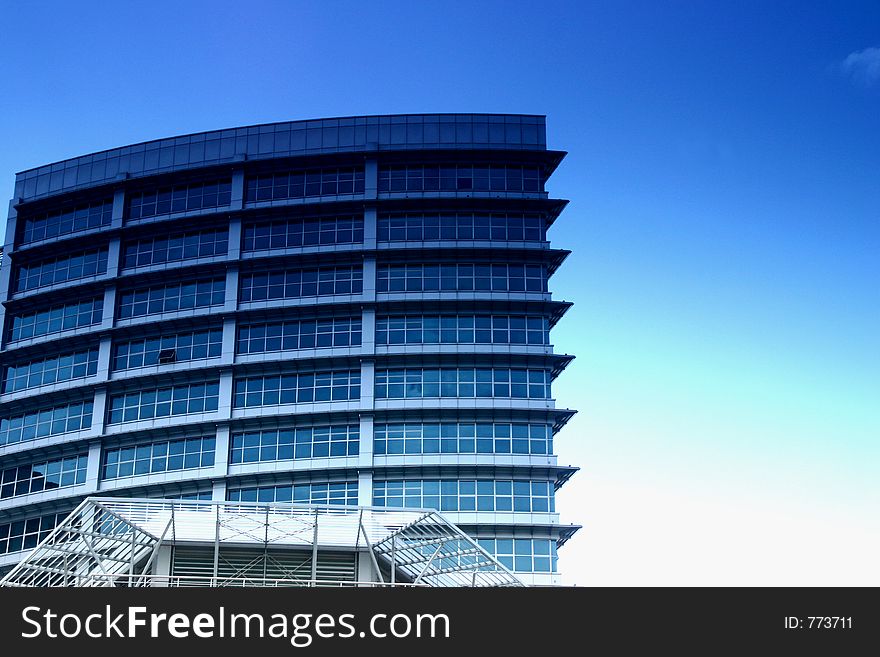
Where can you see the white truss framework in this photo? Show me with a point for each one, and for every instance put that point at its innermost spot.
(115, 542)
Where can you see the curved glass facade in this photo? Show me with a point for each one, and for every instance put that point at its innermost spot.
(351, 311)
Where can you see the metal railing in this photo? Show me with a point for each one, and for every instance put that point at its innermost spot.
(116, 541)
(173, 581)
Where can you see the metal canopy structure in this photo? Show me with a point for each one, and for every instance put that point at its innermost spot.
(117, 542)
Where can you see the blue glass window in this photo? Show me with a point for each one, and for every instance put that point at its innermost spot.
(175, 248)
(172, 297)
(26, 533)
(45, 422)
(413, 382)
(528, 555)
(180, 198)
(295, 443)
(193, 345)
(30, 276)
(461, 277)
(513, 227)
(43, 476)
(462, 438)
(302, 184)
(164, 402)
(45, 371)
(297, 388)
(466, 494)
(295, 283)
(302, 334)
(159, 456)
(462, 329)
(335, 493)
(66, 221)
(309, 231)
(55, 319)
(461, 178)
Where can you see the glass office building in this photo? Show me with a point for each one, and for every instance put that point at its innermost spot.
(351, 311)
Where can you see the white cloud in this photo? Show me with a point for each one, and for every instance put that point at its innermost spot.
(863, 66)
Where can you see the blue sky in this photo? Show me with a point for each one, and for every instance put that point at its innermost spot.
(723, 172)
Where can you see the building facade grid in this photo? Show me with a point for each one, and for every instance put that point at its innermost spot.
(344, 311)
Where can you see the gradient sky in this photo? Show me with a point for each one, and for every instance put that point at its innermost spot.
(724, 177)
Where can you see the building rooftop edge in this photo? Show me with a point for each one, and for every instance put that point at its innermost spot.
(277, 123)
